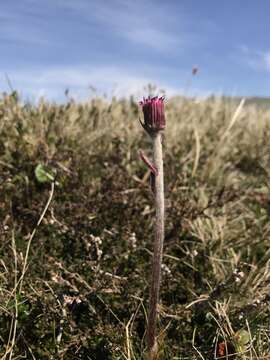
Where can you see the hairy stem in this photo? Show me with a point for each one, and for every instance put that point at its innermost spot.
(158, 246)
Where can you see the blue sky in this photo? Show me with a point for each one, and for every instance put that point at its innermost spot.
(119, 46)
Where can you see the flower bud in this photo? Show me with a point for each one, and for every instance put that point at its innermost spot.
(153, 112)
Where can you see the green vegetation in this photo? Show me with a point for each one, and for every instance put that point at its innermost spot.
(77, 221)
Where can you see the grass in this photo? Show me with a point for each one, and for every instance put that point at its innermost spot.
(75, 286)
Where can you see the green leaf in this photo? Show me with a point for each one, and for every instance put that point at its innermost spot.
(242, 338)
(44, 174)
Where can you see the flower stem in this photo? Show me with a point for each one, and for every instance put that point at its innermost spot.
(158, 246)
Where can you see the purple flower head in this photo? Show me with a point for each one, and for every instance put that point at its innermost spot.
(153, 112)
(195, 70)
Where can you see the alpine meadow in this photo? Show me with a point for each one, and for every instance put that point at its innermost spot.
(77, 230)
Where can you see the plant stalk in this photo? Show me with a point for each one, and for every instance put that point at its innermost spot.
(158, 246)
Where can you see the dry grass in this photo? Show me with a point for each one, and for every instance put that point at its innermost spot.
(85, 282)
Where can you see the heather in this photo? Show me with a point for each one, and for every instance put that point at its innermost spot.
(85, 289)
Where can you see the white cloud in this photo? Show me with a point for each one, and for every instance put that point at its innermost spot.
(13, 33)
(153, 38)
(141, 22)
(20, 26)
(266, 59)
(256, 59)
(52, 82)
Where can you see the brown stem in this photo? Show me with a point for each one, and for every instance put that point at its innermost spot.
(158, 246)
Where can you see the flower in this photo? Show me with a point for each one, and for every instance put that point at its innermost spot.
(153, 112)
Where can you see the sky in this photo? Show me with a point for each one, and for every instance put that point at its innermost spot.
(117, 47)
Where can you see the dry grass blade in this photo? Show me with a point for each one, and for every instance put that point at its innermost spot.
(20, 281)
(214, 159)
